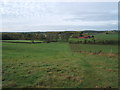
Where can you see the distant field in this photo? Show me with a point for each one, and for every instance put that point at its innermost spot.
(46, 65)
(99, 37)
(20, 41)
(103, 36)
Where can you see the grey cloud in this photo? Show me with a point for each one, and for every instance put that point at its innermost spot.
(90, 11)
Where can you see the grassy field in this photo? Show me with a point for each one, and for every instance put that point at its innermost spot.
(103, 36)
(20, 41)
(95, 48)
(46, 65)
(99, 37)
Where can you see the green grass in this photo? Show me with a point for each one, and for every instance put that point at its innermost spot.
(95, 48)
(103, 36)
(20, 41)
(55, 65)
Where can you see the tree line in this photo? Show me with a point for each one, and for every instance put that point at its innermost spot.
(43, 36)
(56, 37)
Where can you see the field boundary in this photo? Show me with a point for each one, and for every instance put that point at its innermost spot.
(99, 53)
(22, 42)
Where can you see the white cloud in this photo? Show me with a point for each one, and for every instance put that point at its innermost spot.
(33, 16)
(114, 23)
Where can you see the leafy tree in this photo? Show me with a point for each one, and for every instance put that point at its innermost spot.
(52, 37)
(65, 36)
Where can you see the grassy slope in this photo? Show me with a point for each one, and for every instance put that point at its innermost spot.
(54, 65)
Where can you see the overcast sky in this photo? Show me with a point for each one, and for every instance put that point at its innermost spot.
(58, 16)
